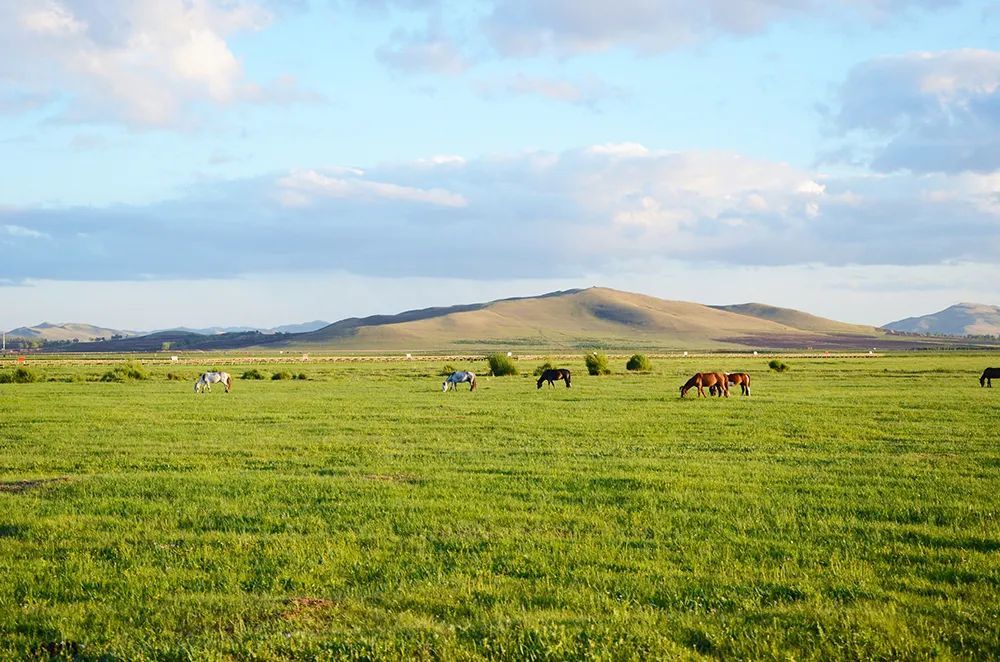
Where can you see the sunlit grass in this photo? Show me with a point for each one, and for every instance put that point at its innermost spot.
(849, 508)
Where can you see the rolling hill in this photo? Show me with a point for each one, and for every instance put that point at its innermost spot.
(585, 318)
(962, 319)
(68, 331)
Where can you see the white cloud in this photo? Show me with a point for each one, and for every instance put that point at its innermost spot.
(303, 187)
(144, 62)
(599, 205)
(567, 27)
(424, 51)
(927, 112)
(23, 232)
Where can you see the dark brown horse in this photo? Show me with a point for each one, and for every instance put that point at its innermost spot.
(988, 375)
(553, 375)
(702, 379)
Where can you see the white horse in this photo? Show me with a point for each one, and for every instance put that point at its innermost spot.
(457, 378)
(205, 382)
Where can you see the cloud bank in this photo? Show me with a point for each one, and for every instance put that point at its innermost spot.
(529, 215)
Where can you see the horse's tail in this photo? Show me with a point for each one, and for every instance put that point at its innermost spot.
(746, 382)
(472, 383)
(229, 382)
(568, 378)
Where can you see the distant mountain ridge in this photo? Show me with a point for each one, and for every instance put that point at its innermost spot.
(67, 331)
(303, 327)
(962, 319)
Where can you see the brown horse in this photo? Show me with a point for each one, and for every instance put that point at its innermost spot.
(552, 375)
(702, 379)
(741, 378)
(988, 375)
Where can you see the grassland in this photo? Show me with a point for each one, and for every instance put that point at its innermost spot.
(849, 509)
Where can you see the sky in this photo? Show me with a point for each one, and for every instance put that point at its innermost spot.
(262, 162)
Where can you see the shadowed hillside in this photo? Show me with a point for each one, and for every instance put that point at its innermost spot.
(963, 319)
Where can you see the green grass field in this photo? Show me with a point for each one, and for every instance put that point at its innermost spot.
(849, 509)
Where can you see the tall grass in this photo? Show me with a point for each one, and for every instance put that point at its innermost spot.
(128, 371)
(501, 365)
(597, 363)
(639, 363)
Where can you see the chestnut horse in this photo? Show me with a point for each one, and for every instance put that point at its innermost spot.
(988, 375)
(702, 379)
(552, 375)
(741, 378)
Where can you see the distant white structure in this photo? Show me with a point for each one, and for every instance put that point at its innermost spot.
(685, 353)
(409, 356)
(173, 358)
(755, 352)
(510, 353)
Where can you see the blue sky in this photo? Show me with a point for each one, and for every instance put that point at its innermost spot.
(268, 161)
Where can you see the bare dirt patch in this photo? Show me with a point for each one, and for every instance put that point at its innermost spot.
(21, 486)
(306, 607)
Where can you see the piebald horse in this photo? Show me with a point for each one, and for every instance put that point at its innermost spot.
(206, 380)
(552, 375)
(702, 379)
(457, 378)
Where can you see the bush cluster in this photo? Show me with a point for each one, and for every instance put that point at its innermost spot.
(447, 370)
(20, 375)
(253, 373)
(639, 362)
(175, 377)
(597, 363)
(126, 372)
(548, 365)
(777, 366)
(501, 365)
(284, 374)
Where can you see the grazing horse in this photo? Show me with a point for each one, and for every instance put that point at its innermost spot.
(206, 380)
(457, 378)
(741, 378)
(988, 375)
(552, 375)
(702, 379)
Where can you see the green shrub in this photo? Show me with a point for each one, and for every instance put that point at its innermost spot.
(597, 363)
(175, 377)
(778, 366)
(126, 372)
(501, 365)
(548, 365)
(253, 373)
(20, 375)
(301, 375)
(639, 362)
(281, 375)
(447, 370)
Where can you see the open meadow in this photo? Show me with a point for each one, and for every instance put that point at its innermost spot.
(849, 509)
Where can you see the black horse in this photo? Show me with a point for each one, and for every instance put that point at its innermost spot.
(988, 375)
(551, 376)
